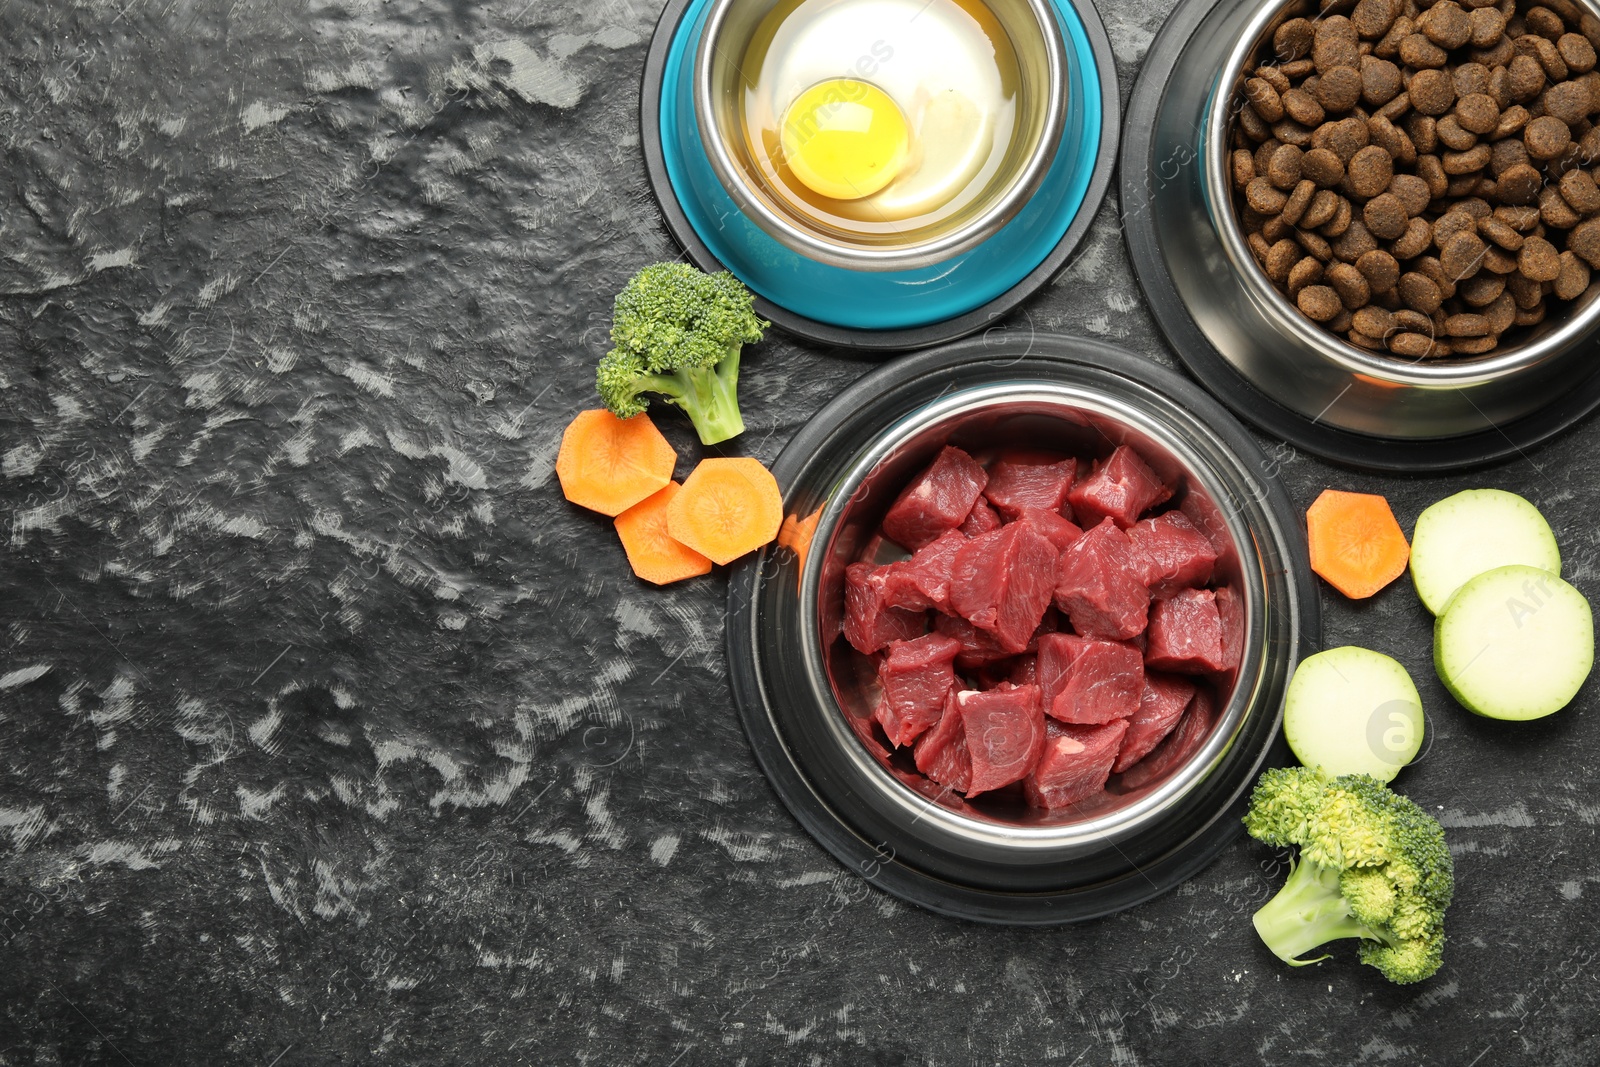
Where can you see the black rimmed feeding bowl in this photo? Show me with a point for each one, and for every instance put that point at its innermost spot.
(880, 297)
(1254, 350)
(797, 685)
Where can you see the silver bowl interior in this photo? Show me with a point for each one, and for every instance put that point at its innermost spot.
(719, 84)
(1529, 345)
(1032, 414)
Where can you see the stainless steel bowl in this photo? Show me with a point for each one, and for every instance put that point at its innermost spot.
(1255, 328)
(1035, 38)
(799, 686)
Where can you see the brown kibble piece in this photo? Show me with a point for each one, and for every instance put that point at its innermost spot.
(1554, 211)
(1275, 78)
(1502, 310)
(1323, 167)
(1496, 55)
(1321, 209)
(1578, 188)
(1446, 25)
(1372, 18)
(1308, 271)
(1544, 22)
(1526, 292)
(1303, 107)
(1335, 44)
(1342, 216)
(1293, 39)
(1430, 170)
(1412, 192)
(1413, 345)
(1384, 217)
(1369, 172)
(1297, 68)
(1355, 242)
(1576, 52)
(1521, 218)
(1469, 162)
(1346, 137)
(1339, 89)
(1283, 170)
(1549, 59)
(1373, 321)
(1497, 260)
(1380, 269)
(1419, 292)
(1573, 279)
(1263, 154)
(1395, 108)
(1432, 92)
(1466, 324)
(1477, 113)
(1412, 321)
(1568, 101)
(1244, 168)
(1361, 340)
(1539, 261)
(1253, 125)
(1264, 98)
(1380, 81)
(1469, 78)
(1487, 26)
(1501, 233)
(1315, 244)
(1389, 137)
(1294, 208)
(1266, 198)
(1319, 303)
(1389, 46)
(1417, 51)
(1481, 289)
(1546, 137)
(1340, 323)
(1512, 121)
(1290, 132)
(1280, 258)
(1526, 78)
(1461, 256)
(1519, 184)
(1415, 241)
(1349, 283)
(1452, 135)
(1473, 346)
(1506, 154)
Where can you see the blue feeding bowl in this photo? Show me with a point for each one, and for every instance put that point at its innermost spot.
(880, 286)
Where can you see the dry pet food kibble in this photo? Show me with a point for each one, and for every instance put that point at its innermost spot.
(1421, 177)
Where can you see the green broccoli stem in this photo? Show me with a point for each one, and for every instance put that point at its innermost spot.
(1307, 912)
(710, 396)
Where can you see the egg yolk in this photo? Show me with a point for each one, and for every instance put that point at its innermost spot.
(845, 139)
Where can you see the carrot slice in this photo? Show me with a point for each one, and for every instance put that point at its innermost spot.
(653, 553)
(609, 464)
(1356, 544)
(796, 533)
(727, 507)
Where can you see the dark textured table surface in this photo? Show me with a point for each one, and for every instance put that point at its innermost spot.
(330, 733)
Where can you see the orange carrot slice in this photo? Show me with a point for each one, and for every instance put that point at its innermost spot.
(727, 507)
(653, 553)
(796, 533)
(609, 464)
(1356, 544)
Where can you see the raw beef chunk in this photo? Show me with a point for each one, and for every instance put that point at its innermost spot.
(1004, 733)
(1122, 488)
(1085, 680)
(869, 622)
(1184, 741)
(1100, 586)
(1058, 531)
(1176, 555)
(978, 647)
(1015, 486)
(916, 677)
(982, 519)
(1185, 633)
(1075, 763)
(938, 499)
(941, 753)
(1230, 612)
(923, 581)
(1164, 698)
(1001, 582)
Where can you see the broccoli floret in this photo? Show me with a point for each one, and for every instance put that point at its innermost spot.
(678, 333)
(1372, 865)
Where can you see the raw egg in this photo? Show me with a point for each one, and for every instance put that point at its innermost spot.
(877, 118)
